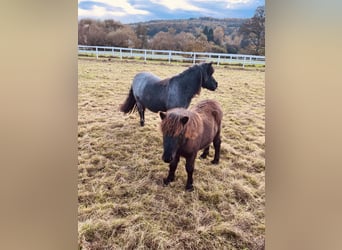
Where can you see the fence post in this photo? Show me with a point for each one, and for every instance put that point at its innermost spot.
(145, 56)
(218, 60)
(244, 61)
(194, 61)
(97, 53)
(120, 53)
(169, 56)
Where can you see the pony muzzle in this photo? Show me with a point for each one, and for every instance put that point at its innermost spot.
(170, 148)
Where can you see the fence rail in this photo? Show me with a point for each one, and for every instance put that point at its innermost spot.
(170, 55)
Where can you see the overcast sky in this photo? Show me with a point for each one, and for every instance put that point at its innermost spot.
(130, 11)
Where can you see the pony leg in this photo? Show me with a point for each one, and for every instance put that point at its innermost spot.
(141, 110)
(217, 146)
(189, 166)
(172, 170)
(205, 153)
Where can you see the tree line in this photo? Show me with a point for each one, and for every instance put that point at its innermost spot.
(247, 38)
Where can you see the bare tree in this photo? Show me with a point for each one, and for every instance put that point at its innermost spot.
(141, 32)
(123, 37)
(218, 35)
(253, 31)
(201, 44)
(96, 34)
(185, 41)
(163, 41)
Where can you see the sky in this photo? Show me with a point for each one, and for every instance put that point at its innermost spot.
(132, 11)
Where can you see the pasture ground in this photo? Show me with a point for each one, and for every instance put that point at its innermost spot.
(122, 202)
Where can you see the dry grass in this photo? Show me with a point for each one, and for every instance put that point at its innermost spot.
(122, 202)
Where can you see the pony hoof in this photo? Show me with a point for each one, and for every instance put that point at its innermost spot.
(215, 161)
(166, 181)
(203, 156)
(142, 124)
(189, 188)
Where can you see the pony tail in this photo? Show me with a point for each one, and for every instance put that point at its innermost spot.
(130, 104)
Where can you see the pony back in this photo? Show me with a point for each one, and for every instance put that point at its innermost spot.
(209, 108)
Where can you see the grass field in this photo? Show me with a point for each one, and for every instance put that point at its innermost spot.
(122, 202)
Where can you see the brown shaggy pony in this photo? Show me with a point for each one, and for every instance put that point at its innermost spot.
(185, 132)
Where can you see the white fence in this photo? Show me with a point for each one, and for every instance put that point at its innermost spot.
(169, 55)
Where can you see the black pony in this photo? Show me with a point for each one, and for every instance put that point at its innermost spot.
(151, 92)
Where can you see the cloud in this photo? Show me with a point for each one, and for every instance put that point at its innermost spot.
(177, 5)
(130, 11)
(232, 4)
(98, 11)
(106, 8)
(235, 4)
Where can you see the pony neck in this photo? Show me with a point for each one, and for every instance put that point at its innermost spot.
(190, 81)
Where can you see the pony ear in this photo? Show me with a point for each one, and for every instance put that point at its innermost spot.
(184, 119)
(210, 69)
(162, 115)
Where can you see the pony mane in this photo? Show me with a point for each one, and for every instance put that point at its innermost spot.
(173, 126)
(190, 70)
(201, 67)
(165, 81)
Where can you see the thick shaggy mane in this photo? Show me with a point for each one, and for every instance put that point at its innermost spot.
(173, 126)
